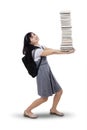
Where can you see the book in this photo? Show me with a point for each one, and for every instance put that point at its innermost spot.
(66, 29)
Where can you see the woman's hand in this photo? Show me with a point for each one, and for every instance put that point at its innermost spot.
(71, 51)
(68, 51)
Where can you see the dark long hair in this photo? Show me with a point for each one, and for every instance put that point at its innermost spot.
(28, 47)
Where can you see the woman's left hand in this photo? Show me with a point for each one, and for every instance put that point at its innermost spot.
(68, 51)
(71, 51)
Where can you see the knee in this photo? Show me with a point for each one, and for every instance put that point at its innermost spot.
(60, 92)
(44, 99)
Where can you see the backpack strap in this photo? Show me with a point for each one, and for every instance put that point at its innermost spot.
(40, 59)
(42, 47)
(34, 54)
(39, 63)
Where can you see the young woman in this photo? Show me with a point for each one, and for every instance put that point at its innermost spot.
(46, 82)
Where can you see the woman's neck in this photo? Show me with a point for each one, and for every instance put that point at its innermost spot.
(37, 44)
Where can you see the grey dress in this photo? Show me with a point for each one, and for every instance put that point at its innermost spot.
(46, 82)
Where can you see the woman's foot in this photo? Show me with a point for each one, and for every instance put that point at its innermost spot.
(30, 115)
(55, 112)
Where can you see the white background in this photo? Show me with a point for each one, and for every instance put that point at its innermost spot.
(17, 88)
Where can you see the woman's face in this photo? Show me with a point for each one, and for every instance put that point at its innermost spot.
(34, 39)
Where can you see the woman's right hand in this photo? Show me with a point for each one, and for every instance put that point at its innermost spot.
(68, 51)
(71, 51)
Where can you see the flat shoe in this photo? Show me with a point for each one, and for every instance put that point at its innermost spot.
(57, 114)
(33, 116)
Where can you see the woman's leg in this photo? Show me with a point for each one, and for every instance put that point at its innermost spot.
(35, 104)
(56, 101)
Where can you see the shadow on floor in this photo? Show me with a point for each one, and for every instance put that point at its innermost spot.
(44, 115)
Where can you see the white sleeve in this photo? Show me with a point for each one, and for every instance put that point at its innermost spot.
(37, 54)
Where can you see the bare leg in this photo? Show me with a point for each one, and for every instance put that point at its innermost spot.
(56, 101)
(35, 104)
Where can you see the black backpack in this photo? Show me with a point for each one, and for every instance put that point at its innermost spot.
(31, 66)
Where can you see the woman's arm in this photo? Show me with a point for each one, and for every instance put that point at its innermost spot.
(49, 51)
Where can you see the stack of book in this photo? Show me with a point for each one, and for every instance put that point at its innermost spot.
(66, 31)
